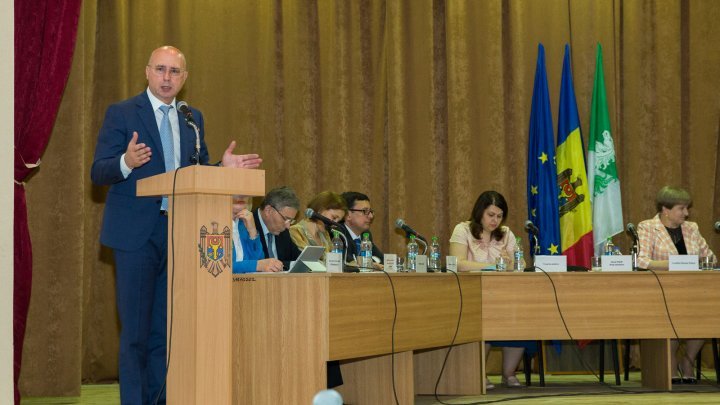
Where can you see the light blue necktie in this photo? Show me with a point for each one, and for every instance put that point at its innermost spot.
(166, 137)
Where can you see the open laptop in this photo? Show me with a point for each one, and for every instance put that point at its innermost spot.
(311, 254)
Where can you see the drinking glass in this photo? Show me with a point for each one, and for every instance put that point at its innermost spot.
(707, 262)
(400, 264)
(596, 263)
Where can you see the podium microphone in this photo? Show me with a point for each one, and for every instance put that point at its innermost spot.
(190, 121)
(311, 214)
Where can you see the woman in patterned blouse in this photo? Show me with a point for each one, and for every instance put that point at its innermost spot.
(669, 233)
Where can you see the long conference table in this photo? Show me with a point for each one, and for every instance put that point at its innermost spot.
(286, 327)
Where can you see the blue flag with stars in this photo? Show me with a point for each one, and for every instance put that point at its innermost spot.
(542, 189)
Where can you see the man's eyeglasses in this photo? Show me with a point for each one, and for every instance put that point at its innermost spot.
(287, 220)
(160, 70)
(365, 211)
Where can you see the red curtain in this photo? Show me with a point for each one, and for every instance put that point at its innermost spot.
(45, 33)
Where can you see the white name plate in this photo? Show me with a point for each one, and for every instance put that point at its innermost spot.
(684, 263)
(421, 264)
(616, 262)
(451, 263)
(334, 262)
(551, 263)
(390, 260)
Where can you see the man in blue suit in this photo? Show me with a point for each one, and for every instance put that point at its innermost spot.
(141, 137)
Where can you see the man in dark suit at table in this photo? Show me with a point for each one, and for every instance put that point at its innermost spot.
(273, 218)
(359, 217)
(142, 137)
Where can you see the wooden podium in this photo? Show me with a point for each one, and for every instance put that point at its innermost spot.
(200, 277)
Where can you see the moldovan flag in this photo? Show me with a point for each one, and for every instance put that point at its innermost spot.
(603, 178)
(576, 233)
(542, 189)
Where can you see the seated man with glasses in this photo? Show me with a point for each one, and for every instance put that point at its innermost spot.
(272, 221)
(248, 256)
(357, 221)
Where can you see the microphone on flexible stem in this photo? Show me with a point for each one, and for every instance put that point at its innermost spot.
(190, 121)
(400, 224)
(636, 244)
(425, 245)
(633, 232)
(531, 228)
(534, 231)
(311, 214)
(717, 225)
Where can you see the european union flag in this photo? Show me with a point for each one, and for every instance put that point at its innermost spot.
(542, 189)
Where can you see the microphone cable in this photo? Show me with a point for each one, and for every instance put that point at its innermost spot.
(683, 350)
(584, 363)
(392, 337)
(172, 288)
(452, 342)
(587, 367)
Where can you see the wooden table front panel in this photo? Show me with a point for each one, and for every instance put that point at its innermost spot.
(618, 305)
(361, 312)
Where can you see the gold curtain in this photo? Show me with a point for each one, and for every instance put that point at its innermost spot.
(421, 104)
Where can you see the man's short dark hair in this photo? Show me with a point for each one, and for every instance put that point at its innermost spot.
(280, 198)
(352, 196)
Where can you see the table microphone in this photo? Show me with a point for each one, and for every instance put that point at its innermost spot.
(311, 214)
(633, 231)
(400, 224)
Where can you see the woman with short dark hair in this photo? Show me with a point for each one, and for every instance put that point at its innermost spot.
(669, 233)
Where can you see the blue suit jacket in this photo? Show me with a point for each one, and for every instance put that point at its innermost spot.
(129, 220)
(252, 250)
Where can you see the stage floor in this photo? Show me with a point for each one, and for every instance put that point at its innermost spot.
(559, 389)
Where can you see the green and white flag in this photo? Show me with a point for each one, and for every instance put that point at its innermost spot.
(602, 172)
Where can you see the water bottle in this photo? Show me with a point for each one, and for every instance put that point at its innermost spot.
(518, 256)
(337, 243)
(609, 247)
(366, 253)
(434, 261)
(412, 252)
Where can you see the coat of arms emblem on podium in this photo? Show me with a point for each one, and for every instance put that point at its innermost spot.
(214, 247)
